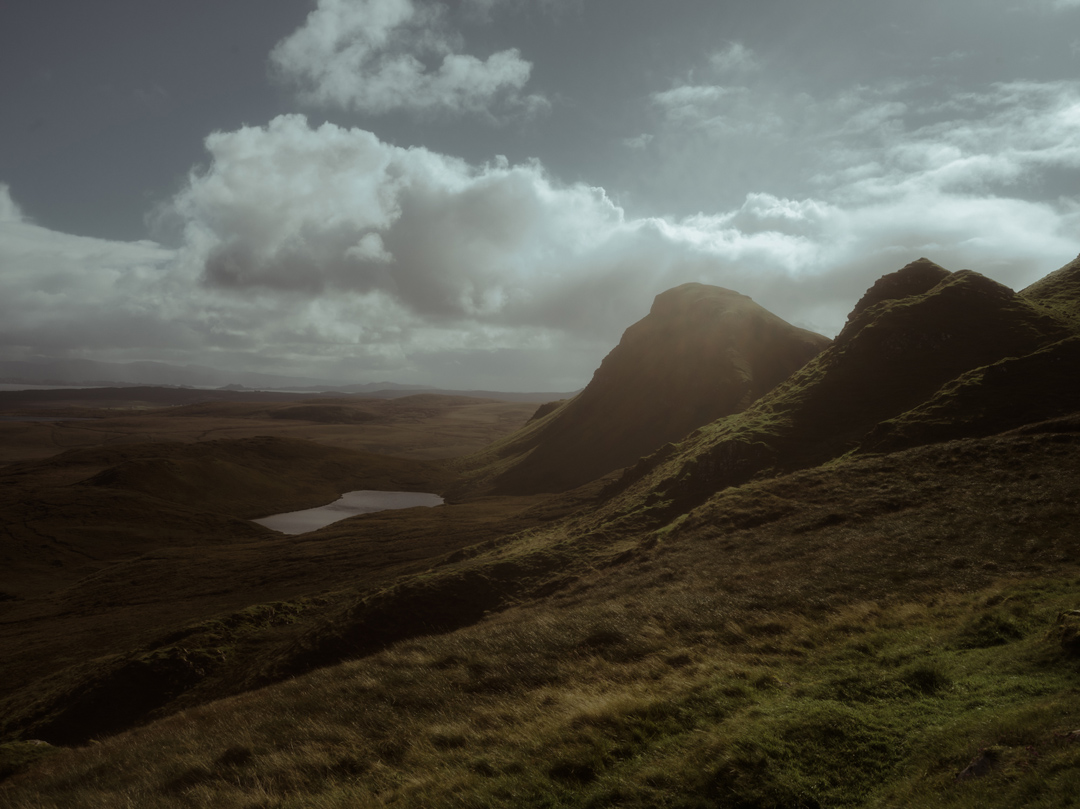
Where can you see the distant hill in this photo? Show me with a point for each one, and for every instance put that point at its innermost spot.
(100, 374)
(702, 352)
(89, 373)
(401, 391)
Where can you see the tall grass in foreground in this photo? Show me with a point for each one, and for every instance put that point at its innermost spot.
(648, 700)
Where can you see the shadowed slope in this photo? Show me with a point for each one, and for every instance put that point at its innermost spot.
(989, 400)
(895, 353)
(905, 339)
(1059, 291)
(702, 352)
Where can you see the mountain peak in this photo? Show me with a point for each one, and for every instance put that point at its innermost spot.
(915, 278)
(919, 336)
(1059, 291)
(686, 299)
(701, 353)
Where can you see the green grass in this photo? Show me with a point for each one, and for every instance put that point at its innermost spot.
(644, 701)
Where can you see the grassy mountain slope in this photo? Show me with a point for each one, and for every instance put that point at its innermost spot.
(116, 554)
(1058, 291)
(894, 354)
(701, 353)
(989, 400)
(177, 627)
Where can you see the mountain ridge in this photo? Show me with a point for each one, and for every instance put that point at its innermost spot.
(894, 354)
(702, 352)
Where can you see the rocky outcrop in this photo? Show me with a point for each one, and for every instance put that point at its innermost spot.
(916, 278)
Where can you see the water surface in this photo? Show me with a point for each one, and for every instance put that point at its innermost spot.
(349, 504)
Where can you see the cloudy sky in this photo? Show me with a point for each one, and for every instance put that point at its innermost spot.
(485, 193)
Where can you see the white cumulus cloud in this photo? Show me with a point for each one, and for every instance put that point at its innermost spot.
(58, 291)
(733, 58)
(378, 56)
(325, 251)
(303, 210)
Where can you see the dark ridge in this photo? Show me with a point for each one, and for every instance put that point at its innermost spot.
(918, 277)
(702, 352)
(892, 356)
(546, 409)
(989, 400)
(1059, 291)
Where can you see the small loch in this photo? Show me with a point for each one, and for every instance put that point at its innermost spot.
(348, 505)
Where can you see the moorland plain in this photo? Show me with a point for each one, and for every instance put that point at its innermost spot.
(856, 586)
(424, 426)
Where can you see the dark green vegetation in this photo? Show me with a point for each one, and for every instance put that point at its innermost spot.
(859, 588)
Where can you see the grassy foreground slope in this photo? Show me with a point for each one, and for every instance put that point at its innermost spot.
(851, 635)
(773, 613)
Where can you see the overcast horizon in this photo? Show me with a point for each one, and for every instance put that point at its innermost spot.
(484, 194)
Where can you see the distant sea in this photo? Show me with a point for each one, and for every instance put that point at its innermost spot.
(6, 386)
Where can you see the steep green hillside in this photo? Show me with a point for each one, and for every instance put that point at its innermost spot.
(701, 353)
(893, 355)
(1058, 291)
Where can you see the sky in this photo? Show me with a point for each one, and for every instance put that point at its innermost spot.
(483, 194)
